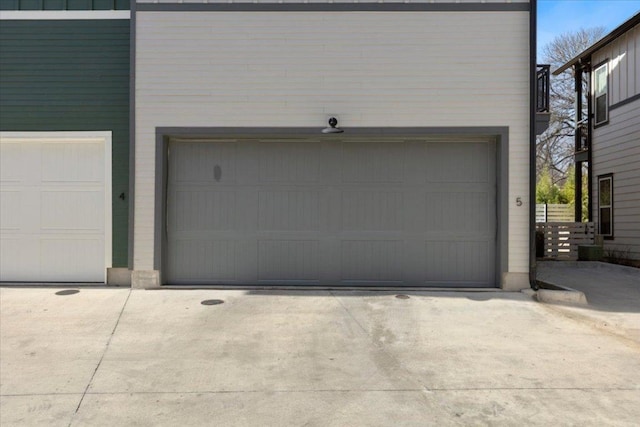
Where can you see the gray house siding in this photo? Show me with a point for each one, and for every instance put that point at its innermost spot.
(616, 144)
(616, 150)
(71, 75)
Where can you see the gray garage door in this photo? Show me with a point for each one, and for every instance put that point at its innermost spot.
(332, 212)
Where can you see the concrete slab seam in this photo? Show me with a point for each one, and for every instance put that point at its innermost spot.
(302, 391)
(106, 348)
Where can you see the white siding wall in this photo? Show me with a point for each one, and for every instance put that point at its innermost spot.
(616, 149)
(623, 56)
(252, 69)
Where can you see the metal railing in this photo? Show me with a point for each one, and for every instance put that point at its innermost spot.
(543, 75)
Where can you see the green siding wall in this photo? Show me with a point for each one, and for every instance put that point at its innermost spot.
(71, 76)
(64, 4)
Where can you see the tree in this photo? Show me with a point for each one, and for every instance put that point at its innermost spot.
(568, 191)
(546, 190)
(555, 147)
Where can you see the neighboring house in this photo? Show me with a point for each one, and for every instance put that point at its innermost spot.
(64, 140)
(609, 140)
(428, 185)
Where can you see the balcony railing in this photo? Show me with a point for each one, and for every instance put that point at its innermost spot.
(542, 88)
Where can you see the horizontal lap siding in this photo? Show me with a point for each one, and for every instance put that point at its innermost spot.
(616, 149)
(71, 76)
(251, 69)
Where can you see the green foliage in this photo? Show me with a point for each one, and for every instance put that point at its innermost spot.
(547, 191)
(551, 193)
(568, 190)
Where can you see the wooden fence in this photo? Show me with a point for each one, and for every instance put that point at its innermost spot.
(554, 213)
(561, 239)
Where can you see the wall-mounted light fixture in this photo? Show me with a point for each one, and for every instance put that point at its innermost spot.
(333, 126)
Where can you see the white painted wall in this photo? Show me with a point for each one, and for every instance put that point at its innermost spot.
(253, 69)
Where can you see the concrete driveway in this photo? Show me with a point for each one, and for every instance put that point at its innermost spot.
(117, 357)
(612, 293)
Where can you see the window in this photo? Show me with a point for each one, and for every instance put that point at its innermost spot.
(600, 94)
(605, 206)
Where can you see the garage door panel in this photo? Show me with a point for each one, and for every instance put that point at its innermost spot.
(72, 211)
(11, 163)
(289, 210)
(372, 210)
(17, 256)
(337, 213)
(457, 211)
(287, 260)
(204, 210)
(206, 260)
(73, 163)
(372, 261)
(54, 207)
(457, 261)
(11, 209)
(65, 259)
(198, 162)
(457, 162)
(290, 162)
(372, 162)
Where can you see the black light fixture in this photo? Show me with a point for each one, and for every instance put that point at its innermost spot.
(333, 126)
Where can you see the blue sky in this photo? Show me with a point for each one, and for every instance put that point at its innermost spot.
(556, 17)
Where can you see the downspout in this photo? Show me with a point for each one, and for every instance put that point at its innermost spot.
(578, 143)
(132, 132)
(533, 11)
(589, 140)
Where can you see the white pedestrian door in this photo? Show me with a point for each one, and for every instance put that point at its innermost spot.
(55, 204)
(332, 212)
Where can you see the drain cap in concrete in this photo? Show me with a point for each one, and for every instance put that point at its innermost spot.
(67, 292)
(212, 302)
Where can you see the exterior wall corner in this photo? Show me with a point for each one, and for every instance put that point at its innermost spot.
(514, 282)
(145, 279)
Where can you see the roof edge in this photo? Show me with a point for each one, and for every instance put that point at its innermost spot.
(617, 32)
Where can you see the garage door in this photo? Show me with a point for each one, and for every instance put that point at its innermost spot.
(54, 205)
(332, 213)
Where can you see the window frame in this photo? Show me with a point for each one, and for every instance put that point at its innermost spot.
(602, 178)
(602, 65)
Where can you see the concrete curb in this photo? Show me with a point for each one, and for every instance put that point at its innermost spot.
(562, 297)
(552, 293)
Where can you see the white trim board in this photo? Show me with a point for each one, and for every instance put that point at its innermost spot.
(104, 137)
(34, 15)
